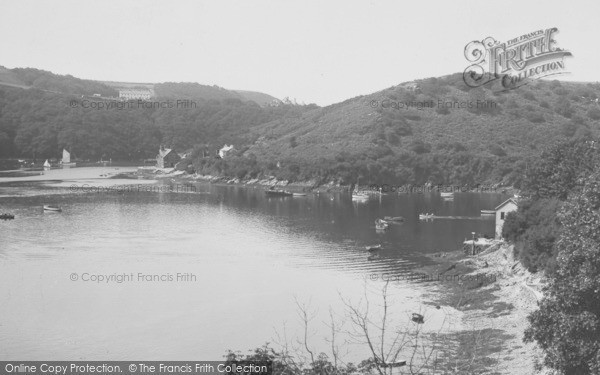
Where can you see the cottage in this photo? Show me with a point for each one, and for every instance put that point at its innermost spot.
(132, 94)
(502, 210)
(166, 158)
(224, 151)
(412, 86)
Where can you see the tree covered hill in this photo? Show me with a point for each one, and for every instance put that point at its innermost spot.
(66, 84)
(47, 81)
(37, 119)
(259, 98)
(433, 131)
(38, 124)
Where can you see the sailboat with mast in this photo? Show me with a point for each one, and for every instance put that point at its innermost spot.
(358, 195)
(66, 159)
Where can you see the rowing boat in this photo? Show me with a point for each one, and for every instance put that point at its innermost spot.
(373, 247)
(393, 218)
(48, 207)
(278, 193)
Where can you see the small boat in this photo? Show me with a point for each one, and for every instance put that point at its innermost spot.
(299, 194)
(7, 216)
(392, 219)
(48, 207)
(381, 224)
(373, 247)
(488, 212)
(66, 159)
(418, 318)
(446, 194)
(389, 364)
(358, 195)
(47, 164)
(426, 216)
(278, 193)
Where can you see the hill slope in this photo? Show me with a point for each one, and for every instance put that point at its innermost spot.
(259, 98)
(436, 130)
(442, 131)
(65, 84)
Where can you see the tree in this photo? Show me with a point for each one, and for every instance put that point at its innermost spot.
(558, 172)
(567, 324)
(560, 169)
(397, 344)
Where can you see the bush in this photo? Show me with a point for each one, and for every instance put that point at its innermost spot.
(528, 95)
(567, 324)
(420, 147)
(442, 110)
(514, 226)
(533, 228)
(594, 113)
(497, 150)
(535, 117)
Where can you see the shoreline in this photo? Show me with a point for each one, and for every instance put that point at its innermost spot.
(495, 306)
(312, 186)
(306, 186)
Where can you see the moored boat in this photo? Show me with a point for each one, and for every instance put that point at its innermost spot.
(426, 216)
(417, 318)
(278, 193)
(7, 216)
(66, 159)
(446, 194)
(358, 195)
(381, 224)
(393, 218)
(49, 207)
(373, 247)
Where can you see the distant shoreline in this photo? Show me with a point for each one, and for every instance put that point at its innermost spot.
(314, 187)
(146, 173)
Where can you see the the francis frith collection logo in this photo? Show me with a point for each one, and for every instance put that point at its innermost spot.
(515, 62)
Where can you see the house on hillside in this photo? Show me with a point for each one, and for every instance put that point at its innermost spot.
(224, 151)
(502, 210)
(167, 158)
(132, 94)
(412, 86)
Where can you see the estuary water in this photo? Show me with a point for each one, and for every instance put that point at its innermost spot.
(188, 271)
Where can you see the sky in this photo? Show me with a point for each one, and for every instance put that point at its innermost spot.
(319, 52)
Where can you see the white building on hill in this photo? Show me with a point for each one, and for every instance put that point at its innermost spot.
(130, 94)
(502, 210)
(224, 151)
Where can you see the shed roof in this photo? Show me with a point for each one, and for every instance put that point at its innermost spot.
(164, 152)
(509, 200)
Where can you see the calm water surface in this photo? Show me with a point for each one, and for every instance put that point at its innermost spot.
(251, 258)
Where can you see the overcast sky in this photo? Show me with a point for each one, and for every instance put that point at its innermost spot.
(316, 51)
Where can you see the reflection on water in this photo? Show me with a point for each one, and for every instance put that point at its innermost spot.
(250, 256)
